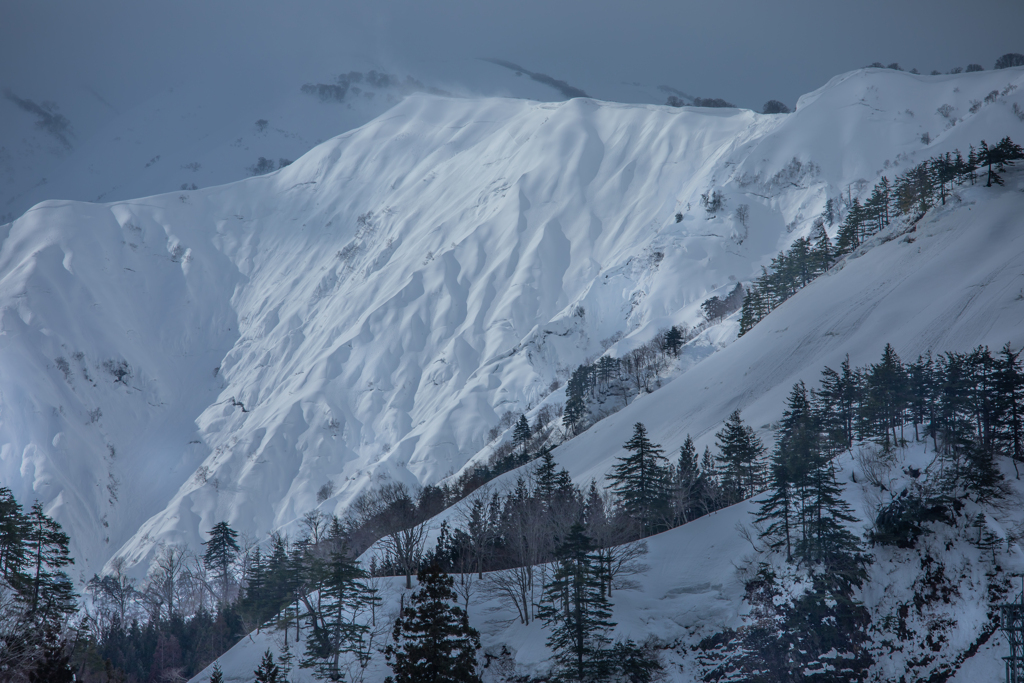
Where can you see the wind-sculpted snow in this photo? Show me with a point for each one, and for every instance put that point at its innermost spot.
(369, 312)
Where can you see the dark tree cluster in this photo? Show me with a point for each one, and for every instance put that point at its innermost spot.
(37, 598)
(968, 404)
(911, 194)
(774, 107)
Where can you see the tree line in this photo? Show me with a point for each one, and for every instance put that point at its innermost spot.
(549, 550)
(912, 193)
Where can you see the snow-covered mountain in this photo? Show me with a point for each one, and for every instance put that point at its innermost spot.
(369, 311)
(951, 283)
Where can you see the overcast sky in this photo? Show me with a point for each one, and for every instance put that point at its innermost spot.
(745, 51)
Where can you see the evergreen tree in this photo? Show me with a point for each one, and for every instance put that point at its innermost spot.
(51, 594)
(575, 401)
(688, 485)
(433, 641)
(1010, 391)
(552, 483)
(13, 530)
(828, 214)
(268, 671)
(673, 340)
(521, 434)
(739, 460)
(797, 449)
(341, 597)
(216, 676)
(752, 310)
(576, 610)
(712, 494)
(836, 406)
(221, 552)
(885, 400)
(823, 253)
(849, 236)
(641, 480)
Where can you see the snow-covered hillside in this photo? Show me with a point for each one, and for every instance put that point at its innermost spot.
(953, 282)
(368, 312)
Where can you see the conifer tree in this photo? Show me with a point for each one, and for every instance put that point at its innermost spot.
(835, 406)
(341, 597)
(885, 399)
(641, 480)
(521, 434)
(688, 486)
(796, 450)
(849, 235)
(712, 494)
(216, 676)
(575, 401)
(13, 530)
(823, 250)
(673, 340)
(221, 552)
(432, 639)
(576, 610)
(268, 671)
(50, 591)
(828, 214)
(1010, 389)
(552, 483)
(739, 460)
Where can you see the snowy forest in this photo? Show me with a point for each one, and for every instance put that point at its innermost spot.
(551, 550)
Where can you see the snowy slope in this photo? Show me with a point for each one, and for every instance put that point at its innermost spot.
(953, 283)
(369, 311)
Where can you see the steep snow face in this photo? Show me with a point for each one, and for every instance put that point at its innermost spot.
(950, 284)
(368, 312)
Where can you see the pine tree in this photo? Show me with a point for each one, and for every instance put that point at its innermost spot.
(268, 671)
(1010, 391)
(797, 449)
(342, 597)
(50, 592)
(835, 406)
(13, 530)
(521, 434)
(739, 459)
(576, 610)
(823, 250)
(750, 313)
(552, 483)
(828, 214)
(216, 676)
(221, 551)
(575, 401)
(688, 486)
(885, 400)
(673, 340)
(848, 238)
(641, 480)
(433, 641)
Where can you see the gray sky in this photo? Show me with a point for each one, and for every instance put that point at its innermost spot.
(746, 51)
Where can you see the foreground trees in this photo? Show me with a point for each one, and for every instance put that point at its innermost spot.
(576, 610)
(433, 641)
(37, 598)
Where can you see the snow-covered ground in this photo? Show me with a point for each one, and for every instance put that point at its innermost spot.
(369, 311)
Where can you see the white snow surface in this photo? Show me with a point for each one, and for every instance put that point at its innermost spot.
(376, 305)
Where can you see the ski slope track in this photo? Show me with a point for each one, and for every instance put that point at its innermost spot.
(368, 312)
